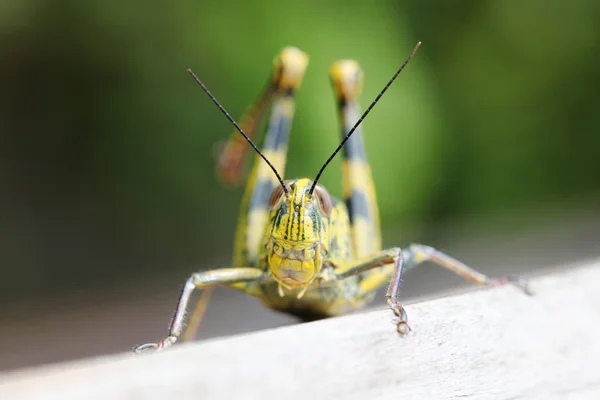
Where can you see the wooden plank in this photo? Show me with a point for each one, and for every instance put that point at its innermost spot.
(486, 344)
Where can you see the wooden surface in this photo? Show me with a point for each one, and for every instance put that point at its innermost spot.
(485, 344)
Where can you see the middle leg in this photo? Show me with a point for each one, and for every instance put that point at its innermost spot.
(388, 266)
(374, 271)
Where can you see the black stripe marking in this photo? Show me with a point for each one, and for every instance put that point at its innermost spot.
(313, 217)
(260, 195)
(280, 130)
(354, 148)
(289, 91)
(358, 205)
(279, 138)
(282, 211)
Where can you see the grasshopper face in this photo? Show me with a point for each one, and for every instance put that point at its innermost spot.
(298, 237)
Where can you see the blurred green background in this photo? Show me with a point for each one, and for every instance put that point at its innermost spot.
(107, 146)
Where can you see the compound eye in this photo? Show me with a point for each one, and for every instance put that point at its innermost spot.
(323, 200)
(278, 194)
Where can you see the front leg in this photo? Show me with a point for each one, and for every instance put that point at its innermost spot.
(236, 277)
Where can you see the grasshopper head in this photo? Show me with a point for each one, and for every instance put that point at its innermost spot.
(298, 234)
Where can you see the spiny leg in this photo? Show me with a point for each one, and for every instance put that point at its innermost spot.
(370, 268)
(360, 197)
(289, 70)
(359, 190)
(195, 317)
(230, 163)
(416, 254)
(395, 261)
(233, 277)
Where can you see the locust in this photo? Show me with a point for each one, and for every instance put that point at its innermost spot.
(297, 248)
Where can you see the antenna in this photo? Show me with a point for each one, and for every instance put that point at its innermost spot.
(360, 120)
(240, 130)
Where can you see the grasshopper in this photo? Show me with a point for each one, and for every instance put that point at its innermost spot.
(298, 249)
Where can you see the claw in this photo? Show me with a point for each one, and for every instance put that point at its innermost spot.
(166, 342)
(143, 347)
(402, 327)
(515, 281)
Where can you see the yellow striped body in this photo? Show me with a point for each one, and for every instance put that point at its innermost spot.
(295, 243)
(358, 187)
(296, 248)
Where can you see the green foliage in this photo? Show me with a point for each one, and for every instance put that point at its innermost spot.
(106, 161)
